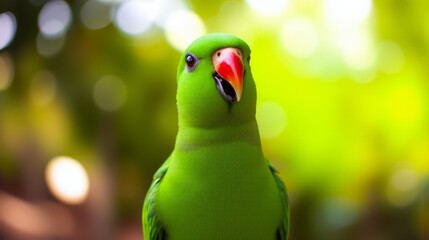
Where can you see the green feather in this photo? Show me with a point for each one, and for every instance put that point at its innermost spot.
(152, 225)
(283, 230)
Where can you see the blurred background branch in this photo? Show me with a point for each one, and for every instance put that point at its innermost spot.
(87, 110)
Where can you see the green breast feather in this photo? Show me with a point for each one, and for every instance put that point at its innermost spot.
(216, 184)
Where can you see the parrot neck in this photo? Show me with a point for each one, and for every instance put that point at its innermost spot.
(190, 138)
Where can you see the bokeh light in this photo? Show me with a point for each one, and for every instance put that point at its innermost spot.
(54, 18)
(268, 7)
(8, 28)
(182, 27)
(110, 93)
(402, 187)
(271, 119)
(337, 213)
(357, 49)
(7, 71)
(95, 14)
(299, 37)
(347, 13)
(48, 47)
(67, 180)
(161, 9)
(133, 17)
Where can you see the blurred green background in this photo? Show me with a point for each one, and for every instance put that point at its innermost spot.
(87, 110)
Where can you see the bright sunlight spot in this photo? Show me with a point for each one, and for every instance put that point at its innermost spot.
(267, 7)
(357, 49)
(345, 13)
(67, 180)
(7, 28)
(163, 8)
(182, 27)
(55, 18)
(134, 17)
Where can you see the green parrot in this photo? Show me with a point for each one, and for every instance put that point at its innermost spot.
(216, 184)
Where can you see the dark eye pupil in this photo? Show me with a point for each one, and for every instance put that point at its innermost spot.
(190, 60)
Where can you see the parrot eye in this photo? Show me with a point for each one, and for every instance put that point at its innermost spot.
(191, 62)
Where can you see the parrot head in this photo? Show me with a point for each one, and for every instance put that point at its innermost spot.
(215, 83)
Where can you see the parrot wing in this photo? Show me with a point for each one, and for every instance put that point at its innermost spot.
(152, 226)
(283, 230)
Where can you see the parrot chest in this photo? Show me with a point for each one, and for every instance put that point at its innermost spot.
(219, 192)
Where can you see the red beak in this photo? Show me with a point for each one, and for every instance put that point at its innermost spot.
(228, 65)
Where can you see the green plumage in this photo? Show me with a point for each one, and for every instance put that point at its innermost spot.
(216, 184)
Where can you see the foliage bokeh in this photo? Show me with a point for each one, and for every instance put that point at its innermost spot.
(343, 110)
